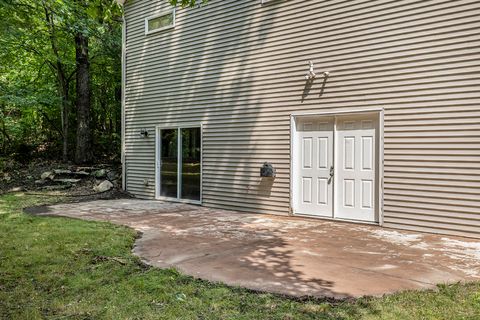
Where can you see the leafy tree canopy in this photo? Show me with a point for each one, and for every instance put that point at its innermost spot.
(38, 68)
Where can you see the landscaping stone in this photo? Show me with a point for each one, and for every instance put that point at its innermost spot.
(17, 189)
(104, 186)
(85, 169)
(67, 181)
(83, 174)
(62, 171)
(47, 175)
(112, 175)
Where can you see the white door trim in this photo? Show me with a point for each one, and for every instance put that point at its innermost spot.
(293, 130)
(158, 128)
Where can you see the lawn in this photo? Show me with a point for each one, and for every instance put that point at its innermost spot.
(59, 268)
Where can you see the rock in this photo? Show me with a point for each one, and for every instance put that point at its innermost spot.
(47, 175)
(66, 181)
(85, 169)
(62, 171)
(40, 182)
(104, 186)
(81, 174)
(99, 174)
(17, 189)
(112, 175)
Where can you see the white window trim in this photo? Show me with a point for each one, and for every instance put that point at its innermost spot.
(160, 14)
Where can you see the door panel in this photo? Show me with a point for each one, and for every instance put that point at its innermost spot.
(314, 184)
(355, 173)
(349, 193)
(367, 153)
(307, 190)
(323, 153)
(169, 163)
(349, 151)
(367, 194)
(307, 153)
(191, 163)
(322, 184)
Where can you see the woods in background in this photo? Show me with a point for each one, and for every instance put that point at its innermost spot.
(60, 79)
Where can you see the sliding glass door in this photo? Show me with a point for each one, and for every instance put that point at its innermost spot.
(169, 163)
(179, 158)
(191, 164)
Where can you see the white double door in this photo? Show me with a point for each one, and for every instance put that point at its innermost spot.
(335, 167)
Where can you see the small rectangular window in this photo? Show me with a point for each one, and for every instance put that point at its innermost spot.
(159, 22)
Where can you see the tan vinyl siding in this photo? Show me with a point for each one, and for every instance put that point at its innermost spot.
(238, 67)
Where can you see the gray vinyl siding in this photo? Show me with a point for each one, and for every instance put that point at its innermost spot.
(238, 67)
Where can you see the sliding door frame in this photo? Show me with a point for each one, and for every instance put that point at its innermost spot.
(158, 150)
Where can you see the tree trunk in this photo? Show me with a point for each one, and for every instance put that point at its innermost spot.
(83, 152)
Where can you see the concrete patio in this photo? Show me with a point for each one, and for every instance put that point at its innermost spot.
(288, 255)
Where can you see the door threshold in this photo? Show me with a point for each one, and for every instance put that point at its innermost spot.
(312, 216)
(186, 201)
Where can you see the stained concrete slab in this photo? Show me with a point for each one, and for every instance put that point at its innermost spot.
(288, 255)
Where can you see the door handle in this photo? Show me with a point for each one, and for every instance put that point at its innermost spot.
(331, 171)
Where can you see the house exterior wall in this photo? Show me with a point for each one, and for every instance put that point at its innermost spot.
(238, 67)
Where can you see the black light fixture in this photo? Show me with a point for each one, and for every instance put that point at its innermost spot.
(144, 133)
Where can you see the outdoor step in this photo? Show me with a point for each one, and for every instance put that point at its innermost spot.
(86, 169)
(80, 173)
(67, 181)
(57, 187)
(67, 174)
(62, 171)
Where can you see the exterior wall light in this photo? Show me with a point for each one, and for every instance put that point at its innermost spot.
(311, 73)
(144, 133)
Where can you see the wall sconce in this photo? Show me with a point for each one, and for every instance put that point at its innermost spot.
(144, 133)
(311, 73)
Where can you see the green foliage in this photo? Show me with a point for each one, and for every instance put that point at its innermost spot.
(187, 3)
(37, 74)
(36, 40)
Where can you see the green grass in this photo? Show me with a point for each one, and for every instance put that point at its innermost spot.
(59, 268)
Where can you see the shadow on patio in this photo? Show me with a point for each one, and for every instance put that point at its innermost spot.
(293, 256)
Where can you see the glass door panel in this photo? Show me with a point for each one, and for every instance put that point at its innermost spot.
(191, 164)
(169, 163)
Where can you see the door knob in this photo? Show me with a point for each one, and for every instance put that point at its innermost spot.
(331, 171)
